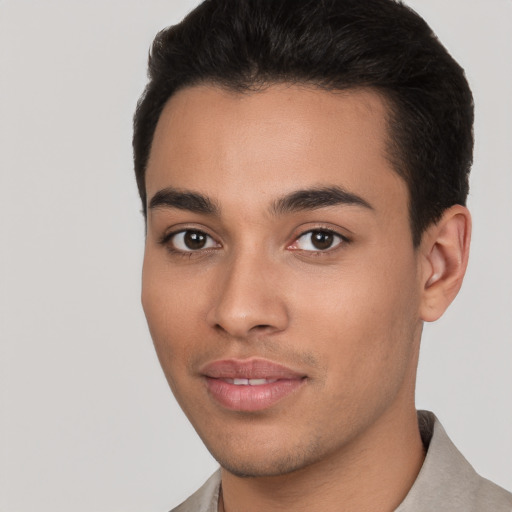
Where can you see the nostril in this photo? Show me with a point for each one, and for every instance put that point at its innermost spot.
(261, 327)
(255, 329)
(219, 328)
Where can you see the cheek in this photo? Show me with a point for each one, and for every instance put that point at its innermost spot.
(170, 309)
(362, 321)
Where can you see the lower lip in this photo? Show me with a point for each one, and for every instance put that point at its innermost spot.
(251, 398)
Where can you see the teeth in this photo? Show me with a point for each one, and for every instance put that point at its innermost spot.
(250, 382)
(258, 382)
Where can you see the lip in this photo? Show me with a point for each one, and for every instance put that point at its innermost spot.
(220, 375)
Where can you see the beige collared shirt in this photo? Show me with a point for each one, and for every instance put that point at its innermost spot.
(446, 482)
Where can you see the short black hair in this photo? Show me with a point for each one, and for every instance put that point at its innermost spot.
(247, 45)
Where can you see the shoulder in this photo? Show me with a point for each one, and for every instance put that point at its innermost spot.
(205, 499)
(489, 496)
(447, 482)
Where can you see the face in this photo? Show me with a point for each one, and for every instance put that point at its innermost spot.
(280, 282)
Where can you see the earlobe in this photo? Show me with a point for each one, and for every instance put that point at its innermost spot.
(445, 249)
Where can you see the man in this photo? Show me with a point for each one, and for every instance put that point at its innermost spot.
(303, 167)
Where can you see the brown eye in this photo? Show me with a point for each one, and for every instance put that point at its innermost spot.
(192, 240)
(322, 240)
(317, 240)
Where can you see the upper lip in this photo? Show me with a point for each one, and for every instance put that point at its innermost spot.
(254, 368)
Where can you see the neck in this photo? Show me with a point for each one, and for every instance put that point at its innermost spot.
(374, 473)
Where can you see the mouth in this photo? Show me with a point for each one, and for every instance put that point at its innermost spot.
(250, 385)
(250, 382)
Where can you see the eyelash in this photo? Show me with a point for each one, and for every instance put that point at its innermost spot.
(166, 241)
(343, 240)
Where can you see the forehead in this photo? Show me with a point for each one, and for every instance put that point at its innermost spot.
(227, 144)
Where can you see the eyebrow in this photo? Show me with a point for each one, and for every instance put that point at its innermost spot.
(315, 198)
(300, 200)
(183, 200)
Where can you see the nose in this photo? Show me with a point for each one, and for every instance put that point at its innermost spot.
(248, 300)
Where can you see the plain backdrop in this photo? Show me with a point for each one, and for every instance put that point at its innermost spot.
(87, 421)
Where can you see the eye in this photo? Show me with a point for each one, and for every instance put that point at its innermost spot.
(191, 240)
(317, 240)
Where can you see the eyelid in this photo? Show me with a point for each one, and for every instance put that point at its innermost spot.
(342, 240)
(166, 239)
(172, 230)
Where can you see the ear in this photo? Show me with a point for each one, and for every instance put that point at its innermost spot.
(445, 253)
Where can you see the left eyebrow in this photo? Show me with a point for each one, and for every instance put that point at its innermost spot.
(315, 198)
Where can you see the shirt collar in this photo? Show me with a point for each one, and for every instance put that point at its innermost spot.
(446, 481)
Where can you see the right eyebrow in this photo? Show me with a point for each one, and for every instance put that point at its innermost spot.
(183, 200)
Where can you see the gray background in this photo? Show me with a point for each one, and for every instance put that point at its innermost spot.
(87, 421)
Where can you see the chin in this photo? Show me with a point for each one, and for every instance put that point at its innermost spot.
(266, 463)
(250, 469)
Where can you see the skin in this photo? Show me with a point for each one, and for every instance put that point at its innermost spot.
(348, 317)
